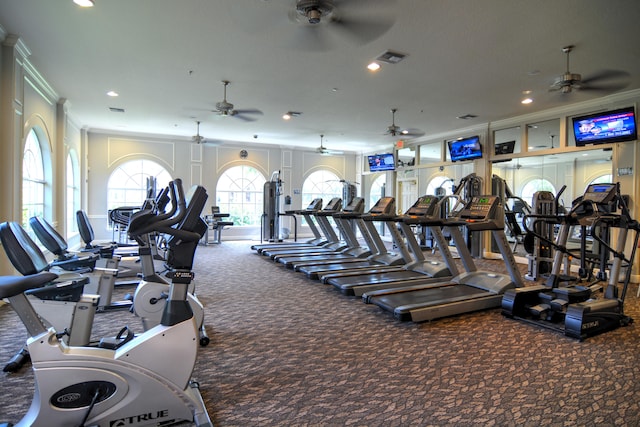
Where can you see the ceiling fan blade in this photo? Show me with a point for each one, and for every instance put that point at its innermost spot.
(213, 142)
(413, 133)
(244, 118)
(315, 38)
(249, 111)
(361, 31)
(605, 75)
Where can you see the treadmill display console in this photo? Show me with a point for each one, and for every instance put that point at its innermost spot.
(315, 205)
(479, 207)
(333, 204)
(424, 206)
(385, 205)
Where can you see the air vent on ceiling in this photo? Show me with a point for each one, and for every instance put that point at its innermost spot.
(467, 117)
(391, 57)
(116, 110)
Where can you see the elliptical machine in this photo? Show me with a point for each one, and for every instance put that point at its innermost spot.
(131, 380)
(570, 307)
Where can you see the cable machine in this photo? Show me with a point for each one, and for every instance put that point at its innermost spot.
(271, 209)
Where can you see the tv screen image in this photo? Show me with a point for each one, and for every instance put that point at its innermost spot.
(465, 148)
(603, 128)
(382, 162)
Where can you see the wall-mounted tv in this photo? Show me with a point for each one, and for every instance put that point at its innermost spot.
(465, 148)
(382, 162)
(604, 128)
(505, 147)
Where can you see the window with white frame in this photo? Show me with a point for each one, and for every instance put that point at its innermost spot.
(439, 184)
(378, 188)
(535, 185)
(73, 192)
(321, 184)
(33, 181)
(239, 192)
(603, 179)
(127, 185)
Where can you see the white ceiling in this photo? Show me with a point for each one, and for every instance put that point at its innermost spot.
(167, 58)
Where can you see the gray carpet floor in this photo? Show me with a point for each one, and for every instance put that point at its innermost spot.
(288, 351)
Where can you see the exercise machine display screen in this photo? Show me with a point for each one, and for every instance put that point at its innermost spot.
(600, 193)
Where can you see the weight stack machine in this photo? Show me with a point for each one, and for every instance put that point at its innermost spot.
(470, 186)
(271, 209)
(540, 253)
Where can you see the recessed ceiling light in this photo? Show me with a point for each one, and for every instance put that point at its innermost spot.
(84, 3)
(112, 93)
(527, 101)
(374, 66)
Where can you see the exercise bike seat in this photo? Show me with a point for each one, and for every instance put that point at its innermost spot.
(26, 256)
(14, 285)
(54, 242)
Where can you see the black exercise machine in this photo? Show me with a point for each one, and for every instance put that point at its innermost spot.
(569, 306)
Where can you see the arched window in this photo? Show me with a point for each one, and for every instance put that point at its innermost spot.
(602, 179)
(127, 185)
(239, 192)
(324, 184)
(536, 184)
(33, 181)
(378, 187)
(73, 192)
(439, 184)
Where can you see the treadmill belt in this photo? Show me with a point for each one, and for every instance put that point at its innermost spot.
(313, 270)
(365, 279)
(403, 302)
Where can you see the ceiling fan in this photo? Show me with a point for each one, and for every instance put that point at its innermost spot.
(199, 139)
(319, 25)
(225, 109)
(395, 130)
(319, 19)
(569, 81)
(322, 150)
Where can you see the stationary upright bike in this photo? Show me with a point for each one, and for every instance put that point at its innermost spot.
(127, 380)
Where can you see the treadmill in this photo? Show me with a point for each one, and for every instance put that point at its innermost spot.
(419, 269)
(332, 241)
(470, 291)
(379, 257)
(314, 206)
(353, 250)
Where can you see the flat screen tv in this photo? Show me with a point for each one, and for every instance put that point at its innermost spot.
(505, 147)
(465, 148)
(604, 128)
(382, 162)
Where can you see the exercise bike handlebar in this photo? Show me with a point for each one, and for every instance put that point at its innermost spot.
(162, 223)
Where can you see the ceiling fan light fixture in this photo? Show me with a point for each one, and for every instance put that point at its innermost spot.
(314, 16)
(291, 114)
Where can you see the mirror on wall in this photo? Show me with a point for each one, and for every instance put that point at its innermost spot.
(576, 170)
(543, 135)
(406, 156)
(507, 141)
(430, 153)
